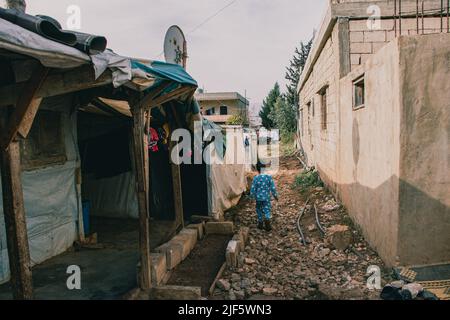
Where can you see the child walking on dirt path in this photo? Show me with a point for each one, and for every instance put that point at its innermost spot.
(263, 188)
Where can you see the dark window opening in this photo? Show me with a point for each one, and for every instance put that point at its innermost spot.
(44, 145)
(324, 107)
(359, 91)
(223, 110)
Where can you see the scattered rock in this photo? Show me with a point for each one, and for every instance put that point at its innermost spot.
(223, 284)
(249, 261)
(269, 291)
(339, 237)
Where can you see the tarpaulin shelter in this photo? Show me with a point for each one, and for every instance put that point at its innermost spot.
(39, 73)
(60, 105)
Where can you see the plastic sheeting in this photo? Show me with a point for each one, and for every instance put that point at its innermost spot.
(50, 199)
(227, 181)
(51, 54)
(113, 197)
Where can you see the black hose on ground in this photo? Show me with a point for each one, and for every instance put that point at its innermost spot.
(316, 212)
(299, 228)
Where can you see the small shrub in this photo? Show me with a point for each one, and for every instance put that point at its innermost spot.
(308, 180)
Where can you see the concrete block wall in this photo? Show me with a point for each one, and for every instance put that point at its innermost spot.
(320, 145)
(365, 41)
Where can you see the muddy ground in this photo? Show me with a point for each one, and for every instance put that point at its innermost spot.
(277, 265)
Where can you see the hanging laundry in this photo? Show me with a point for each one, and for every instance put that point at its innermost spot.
(153, 140)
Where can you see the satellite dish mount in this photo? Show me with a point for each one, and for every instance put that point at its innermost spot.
(175, 46)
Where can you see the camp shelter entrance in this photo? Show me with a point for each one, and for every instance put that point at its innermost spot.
(108, 176)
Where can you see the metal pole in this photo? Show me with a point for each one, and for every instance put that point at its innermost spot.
(423, 18)
(395, 17)
(400, 16)
(442, 16)
(448, 16)
(417, 15)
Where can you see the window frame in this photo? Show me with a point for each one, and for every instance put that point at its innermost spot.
(357, 81)
(323, 93)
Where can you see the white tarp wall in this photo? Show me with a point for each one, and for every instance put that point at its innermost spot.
(50, 198)
(113, 197)
(227, 182)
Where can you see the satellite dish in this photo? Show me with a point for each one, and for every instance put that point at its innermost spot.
(175, 47)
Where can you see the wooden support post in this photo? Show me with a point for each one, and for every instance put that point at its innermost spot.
(15, 222)
(139, 149)
(176, 183)
(25, 109)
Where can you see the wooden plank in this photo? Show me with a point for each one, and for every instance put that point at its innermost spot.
(15, 223)
(176, 183)
(171, 96)
(147, 100)
(144, 212)
(26, 108)
(74, 80)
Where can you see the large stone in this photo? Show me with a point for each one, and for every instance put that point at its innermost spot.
(223, 284)
(219, 227)
(176, 293)
(232, 254)
(173, 252)
(339, 237)
(158, 268)
(200, 228)
(189, 235)
(245, 232)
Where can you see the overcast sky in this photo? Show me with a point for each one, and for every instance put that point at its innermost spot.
(244, 48)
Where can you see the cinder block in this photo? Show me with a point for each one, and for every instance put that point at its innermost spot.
(232, 254)
(191, 235)
(199, 228)
(240, 240)
(375, 36)
(184, 244)
(361, 48)
(356, 36)
(376, 46)
(174, 254)
(219, 228)
(176, 293)
(245, 231)
(355, 59)
(158, 267)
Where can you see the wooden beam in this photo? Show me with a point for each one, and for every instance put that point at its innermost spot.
(77, 79)
(170, 96)
(147, 100)
(15, 221)
(25, 109)
(176, 181)
(142, 193)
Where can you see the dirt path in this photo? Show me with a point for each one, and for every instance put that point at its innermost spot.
(277, 265)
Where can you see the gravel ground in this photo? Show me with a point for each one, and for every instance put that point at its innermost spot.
(276, 265)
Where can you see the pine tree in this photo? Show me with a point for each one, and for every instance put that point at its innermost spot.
(294, 71)
(268, 107)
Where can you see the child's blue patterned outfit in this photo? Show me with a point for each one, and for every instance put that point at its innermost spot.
(262, 188)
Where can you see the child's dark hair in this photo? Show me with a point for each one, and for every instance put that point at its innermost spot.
(259, 166)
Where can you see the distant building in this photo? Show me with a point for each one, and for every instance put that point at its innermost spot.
(219, 107)
(374, 121)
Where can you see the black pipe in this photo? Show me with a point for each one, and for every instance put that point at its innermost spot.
(299, 228)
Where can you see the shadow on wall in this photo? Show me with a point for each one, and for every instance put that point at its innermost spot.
(406, 228)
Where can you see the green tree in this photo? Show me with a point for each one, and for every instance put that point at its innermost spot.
(284, 117)
(268, 107)
(294, 71)
(238, 120)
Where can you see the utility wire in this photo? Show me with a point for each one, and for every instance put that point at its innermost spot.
(207, 20)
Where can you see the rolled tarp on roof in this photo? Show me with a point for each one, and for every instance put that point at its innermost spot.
(50, 53)
(50, 28)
